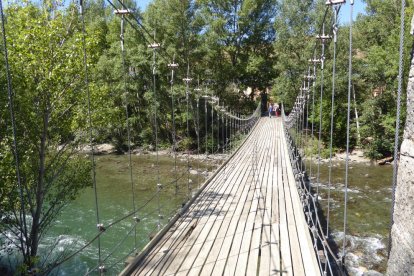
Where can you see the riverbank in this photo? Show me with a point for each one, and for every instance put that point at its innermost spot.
(106, 149)
(357, 156)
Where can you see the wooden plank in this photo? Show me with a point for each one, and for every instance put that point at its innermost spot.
(236, 238)
(265, 256)
(254, 254)
(150, 258)
(175, 264)
(213, 261)
(248, 232)
(174, 239)
(297, 261)
(197, 245)
(284, 233)
(172, 264)
(310, 262)
(251, 223)
(275, 264)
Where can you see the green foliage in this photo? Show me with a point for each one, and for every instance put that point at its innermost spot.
(47, 77)
(375, 70)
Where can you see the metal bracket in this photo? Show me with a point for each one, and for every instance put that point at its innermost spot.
(173, 65)
(123, 12)
(323, 37)
(334, 2)
(314, 61)
(154, 45)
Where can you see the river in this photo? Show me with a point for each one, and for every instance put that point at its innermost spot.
(368, 212)
(368, 215)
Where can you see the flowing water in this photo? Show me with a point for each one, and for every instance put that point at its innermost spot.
(368, 215)
(368, 212)
(78, 223)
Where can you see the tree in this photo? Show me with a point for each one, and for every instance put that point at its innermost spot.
(46, 59)
(238, 38)
(296, 24)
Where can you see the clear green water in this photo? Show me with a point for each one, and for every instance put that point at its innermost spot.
(369, 205)
(368, 212)
(77, 224)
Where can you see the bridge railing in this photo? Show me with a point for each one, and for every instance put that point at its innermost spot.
(325, 247)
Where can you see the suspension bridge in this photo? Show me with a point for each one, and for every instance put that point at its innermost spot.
(248, 219)
(257, 213)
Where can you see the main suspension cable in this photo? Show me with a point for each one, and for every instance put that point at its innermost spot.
(197, 95)
(154, 46)
(335, 39)
(173, 66)
(126, 102)
(90, 126)
(348, 130)
(320, 113)
(187, 99)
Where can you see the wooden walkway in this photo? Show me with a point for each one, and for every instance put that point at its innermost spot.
(247, 221)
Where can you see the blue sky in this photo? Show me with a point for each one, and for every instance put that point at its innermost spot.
(143, 4)
(359, 7)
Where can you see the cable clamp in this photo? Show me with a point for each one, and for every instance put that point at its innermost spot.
(123, 12)
(154, 45)
(173, 65)
(323, 37)
(309, 77)
(314, 61)
(137, 219)
(334, 2)
(159, 186)
(101, 227)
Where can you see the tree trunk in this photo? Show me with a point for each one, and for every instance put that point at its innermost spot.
(356, 118)
(401, 261)
(35, 230)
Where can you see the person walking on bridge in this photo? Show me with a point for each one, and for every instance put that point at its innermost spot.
(270, 110)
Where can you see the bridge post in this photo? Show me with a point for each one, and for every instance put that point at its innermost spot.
(401, 259)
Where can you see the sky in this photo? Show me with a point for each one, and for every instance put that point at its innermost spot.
(143, 3)
(359, 7)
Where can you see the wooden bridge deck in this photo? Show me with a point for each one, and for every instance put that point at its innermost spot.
(247, 221)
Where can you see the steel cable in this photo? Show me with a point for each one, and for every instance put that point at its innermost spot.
(90, 126)
(126, 102)
(335, 38)
(348, 131)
